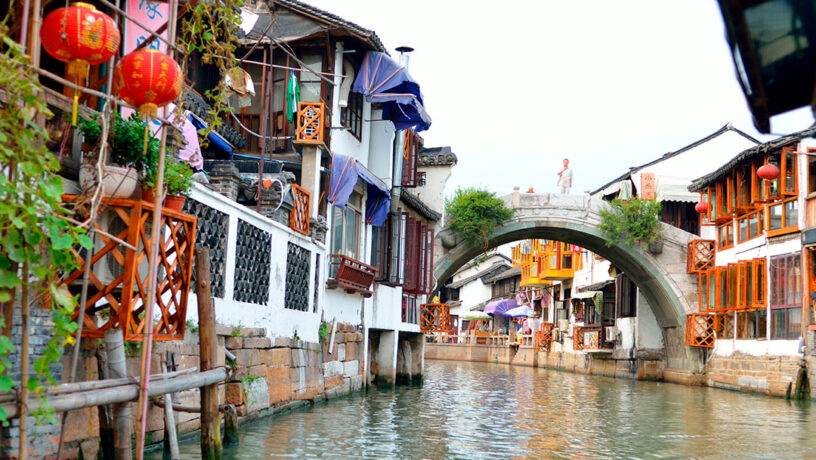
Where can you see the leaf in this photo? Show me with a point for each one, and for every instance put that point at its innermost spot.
(85, 241)
(9, 279)
(61, 241)
(61, 295)
(6, 384)
(5, 295)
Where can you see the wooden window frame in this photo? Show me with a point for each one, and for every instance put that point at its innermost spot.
(779, 282)
(744, 206)
(758, 278)
(769, 197)
(811, 169)
(705, 217)
(783, 175)
(410, 149)
(352, 116)
(730, 243)
(782, 203)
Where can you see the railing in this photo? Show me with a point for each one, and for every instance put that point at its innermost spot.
(527, 341)
(469, 338)
(310, 122)
(577, 338)
(544, 337)
(434, 317)
(299, 216)
(700, 256)
(119, 274)
(701, 330)
(352, 275)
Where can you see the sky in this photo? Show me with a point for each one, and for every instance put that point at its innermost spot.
(514, 87)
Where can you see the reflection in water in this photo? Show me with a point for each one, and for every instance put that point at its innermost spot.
(478, 410)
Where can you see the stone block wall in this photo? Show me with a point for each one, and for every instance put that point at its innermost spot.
(769, 375)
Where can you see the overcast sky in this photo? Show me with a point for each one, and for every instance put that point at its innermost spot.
(516, 86)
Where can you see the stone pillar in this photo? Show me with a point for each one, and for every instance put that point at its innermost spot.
(225, 178)
(310, 176)
(516, 200)
(387, 357)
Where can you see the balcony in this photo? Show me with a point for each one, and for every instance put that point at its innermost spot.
(310, 120)
(351, 275)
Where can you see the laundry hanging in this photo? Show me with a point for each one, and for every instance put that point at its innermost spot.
(346, 171)
(383, 80)
(292, 97)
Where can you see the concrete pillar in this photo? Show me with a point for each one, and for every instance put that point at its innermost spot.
(410, 359)
(516, 198)
(224, 177)
(387, 357)
(310, 176)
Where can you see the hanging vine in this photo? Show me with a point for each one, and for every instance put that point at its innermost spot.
(35, 231)
(212, 30)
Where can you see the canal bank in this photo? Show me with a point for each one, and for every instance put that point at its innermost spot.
(772, 375)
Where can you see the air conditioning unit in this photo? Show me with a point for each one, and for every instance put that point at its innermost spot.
(563, 325)
(611, 334)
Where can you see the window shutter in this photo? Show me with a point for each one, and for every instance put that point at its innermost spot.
(410, 255)
(422, 258)
(409, 159)
(429, 261)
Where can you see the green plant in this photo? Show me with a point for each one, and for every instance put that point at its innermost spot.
(127, 143)
(631, 221)
(90, 129)
(191, 325)
(236, 332)
(133, 349)
(473, 214)
(324, 331)
(37, 237)
(178, 176)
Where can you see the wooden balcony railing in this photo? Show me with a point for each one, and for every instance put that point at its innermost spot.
(352, 275)
(311, 116)
(119, 274)
(544, 337)
(577, 338)
(434, 317)
(700, 256)
(701, 330)
(299, 216)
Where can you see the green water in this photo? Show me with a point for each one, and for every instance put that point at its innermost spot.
(477, 410)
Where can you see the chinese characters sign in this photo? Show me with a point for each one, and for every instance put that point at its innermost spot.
(153, 15)
(647, 186)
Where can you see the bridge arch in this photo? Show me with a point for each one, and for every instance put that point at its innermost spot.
(661, 278)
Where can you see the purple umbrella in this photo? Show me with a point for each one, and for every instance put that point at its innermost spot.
(500, 306)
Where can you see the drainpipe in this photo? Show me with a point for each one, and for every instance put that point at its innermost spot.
(396, 180)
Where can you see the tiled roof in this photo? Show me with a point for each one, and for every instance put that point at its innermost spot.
(334, 20)
(515, 271)
(493, 270)
(723, 130)
(749, 154)
(419, 206)
(436, 156)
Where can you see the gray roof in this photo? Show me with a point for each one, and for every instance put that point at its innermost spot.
(515, 271)
(287, 27)
(723, 130)
(749, 154)
(596, 287)
(437, 156)
(494, 269)
(415, 203)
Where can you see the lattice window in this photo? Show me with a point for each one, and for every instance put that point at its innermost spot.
(316, 284)
(544, 337)
(701, 330)
(211, 233)
(725, 325)
(252, 260)
(577, 338)
(297, 278)
(434, 317)
(700, 256)
(299, 216)
(119, 276)
(310, 122)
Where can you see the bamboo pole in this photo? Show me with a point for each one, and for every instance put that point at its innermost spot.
(24, 410)
(117, 367)
(170, 423)
(210, 418)
(123, 393)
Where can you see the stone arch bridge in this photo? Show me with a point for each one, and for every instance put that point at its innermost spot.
(661, 278)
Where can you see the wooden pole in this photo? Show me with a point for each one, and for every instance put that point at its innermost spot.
(170, 424)
(104, 411)
(210, 418)
(117, 368)
(23, 452)
(231, 426)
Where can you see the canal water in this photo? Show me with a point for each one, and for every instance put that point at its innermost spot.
(478, 410)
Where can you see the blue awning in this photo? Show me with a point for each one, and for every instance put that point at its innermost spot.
(383, 80)
(345, 172)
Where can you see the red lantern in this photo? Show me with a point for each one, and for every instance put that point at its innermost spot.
(81, 36)
(768, 172)
(701, 207)
(148, 80)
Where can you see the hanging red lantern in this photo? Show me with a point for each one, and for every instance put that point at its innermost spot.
(148, 80)
(768, 172)
(701, 207)
(80, 36)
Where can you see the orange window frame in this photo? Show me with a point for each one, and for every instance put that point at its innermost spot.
(788, 172)
(742, 175)
(759, 280)
(743, 283)
(722, 201)
(729, 243)
(758, 191)
(705, 217)
(768, 184)
(702, 291)
(783, 206)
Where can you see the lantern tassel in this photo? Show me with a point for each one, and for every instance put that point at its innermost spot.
(146, 137)
(75, 109)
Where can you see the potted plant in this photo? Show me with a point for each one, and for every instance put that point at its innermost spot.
(126, 160)
(633, 221)
(178, 180)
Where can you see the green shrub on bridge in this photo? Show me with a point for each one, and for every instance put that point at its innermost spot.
(473, 214)
(631, 221)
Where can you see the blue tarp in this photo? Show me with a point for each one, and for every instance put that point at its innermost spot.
(345, 172)
(383, 80)
(214, 138)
